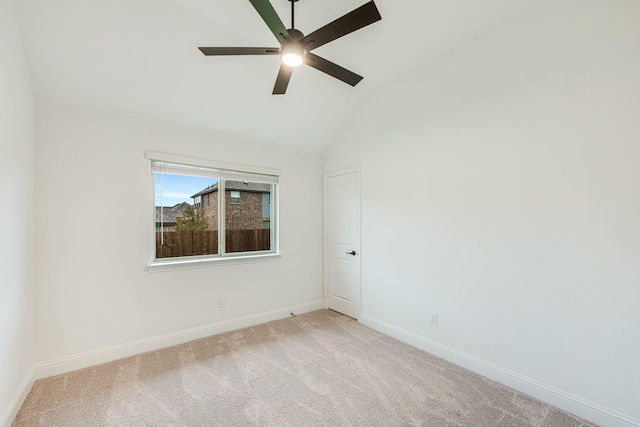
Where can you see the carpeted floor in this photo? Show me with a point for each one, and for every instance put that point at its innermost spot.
(316, 369)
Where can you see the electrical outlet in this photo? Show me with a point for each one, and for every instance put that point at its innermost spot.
(222, 303)
(434, 319)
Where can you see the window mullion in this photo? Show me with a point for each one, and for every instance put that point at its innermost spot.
(222, 233)
(272, 219)
(161, 206)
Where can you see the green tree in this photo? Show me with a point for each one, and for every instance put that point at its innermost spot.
(192, 219)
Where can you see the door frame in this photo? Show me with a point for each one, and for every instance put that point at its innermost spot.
(327, 175)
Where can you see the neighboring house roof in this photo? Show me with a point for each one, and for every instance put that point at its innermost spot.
(253, 187)
(168, 214)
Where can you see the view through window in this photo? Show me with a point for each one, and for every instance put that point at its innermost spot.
(196, 215)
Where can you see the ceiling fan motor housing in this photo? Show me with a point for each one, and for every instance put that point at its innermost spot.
(291, 48)
(295, 35)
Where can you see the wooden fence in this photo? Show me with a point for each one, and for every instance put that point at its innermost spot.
(190, 243)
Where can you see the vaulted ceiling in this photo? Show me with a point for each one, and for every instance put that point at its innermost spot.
(140, 57)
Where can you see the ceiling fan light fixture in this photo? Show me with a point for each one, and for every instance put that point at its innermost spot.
(292, 59)
(292, 55)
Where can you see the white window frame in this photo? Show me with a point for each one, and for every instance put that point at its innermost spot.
(177, 164)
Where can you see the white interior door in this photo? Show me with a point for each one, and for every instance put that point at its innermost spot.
(342, 250)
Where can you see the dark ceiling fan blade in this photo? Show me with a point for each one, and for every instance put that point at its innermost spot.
(271, 18)
(282, 81)
(240, 50)
(332, 69)
(352, 21)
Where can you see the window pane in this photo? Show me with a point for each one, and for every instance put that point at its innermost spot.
(183, 227)
(247, 216)
(234, 196)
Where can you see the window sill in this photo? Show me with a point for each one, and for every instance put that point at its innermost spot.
(184, 264)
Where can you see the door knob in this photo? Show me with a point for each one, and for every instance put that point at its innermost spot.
(351, 253)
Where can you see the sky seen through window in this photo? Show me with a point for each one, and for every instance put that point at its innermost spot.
(174, 189)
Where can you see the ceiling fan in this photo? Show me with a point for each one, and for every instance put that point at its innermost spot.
(295, 48)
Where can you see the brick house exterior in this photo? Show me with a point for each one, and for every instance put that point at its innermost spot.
(247, 205)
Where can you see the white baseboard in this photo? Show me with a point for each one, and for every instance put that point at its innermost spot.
(561, 399)
(16, 402)
(96, 357)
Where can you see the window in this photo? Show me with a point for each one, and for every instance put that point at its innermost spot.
(235, 197)
(199, 219)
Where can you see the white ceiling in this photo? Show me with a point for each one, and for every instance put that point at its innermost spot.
(140, 57)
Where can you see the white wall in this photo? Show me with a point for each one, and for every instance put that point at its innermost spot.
(501, 189)
(95, 198)
(17, 330)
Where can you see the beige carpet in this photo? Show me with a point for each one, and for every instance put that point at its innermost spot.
(317, 369)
